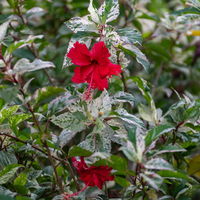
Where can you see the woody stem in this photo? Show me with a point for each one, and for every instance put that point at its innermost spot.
(124, 82)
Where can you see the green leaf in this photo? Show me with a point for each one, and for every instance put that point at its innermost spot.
(192, 113)
(170, 149)
(65, 137)
(23, 53)
(22, 43)
(45, 94)
(188, 10)
(78, 151)
(176, 111)
(153, 179)
(2, 103)
(146, 113)
(143, 87)
(7, 158)
(118, 163)
(194, 3)
(21, 179)
(130, 119)
(130, 35)
(8, 172)
(101, 106)
(166, 197)
(159, 51)
(6, 113)
(103, 142)
(22, 198)
(84, 34)
(158, 164)
(130, 153)
(195, 128)
(137, 53)
(18, 118)
(81, 24)
(24, 65)
(122, 181)
(92, 192)
(12, 3)
(3, 30)
(134, 150)
(20, 182)
(27, 84)
(174, 175)
(97, 142)
(5, 197)
(109, 11)
(6, 192)
(123, 97)
(34, 12)
(132, 134)
(93, 12)
(156, 132)
(151, 112)
(8, 94)
(70, 121)
(61, 103)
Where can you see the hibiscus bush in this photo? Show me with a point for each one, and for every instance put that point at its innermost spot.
(99, 100)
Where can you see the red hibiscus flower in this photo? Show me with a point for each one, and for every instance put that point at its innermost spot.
(93, 175)
(94, 66)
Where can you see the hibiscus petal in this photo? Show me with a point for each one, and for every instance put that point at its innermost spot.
(97, 181)
(114, 69)
(85, 176)
(79, 54)
(104, 70)
(77, 78)
(100, 53)
(99, 82)
(86, 72)
(102, 84)
(109, 69)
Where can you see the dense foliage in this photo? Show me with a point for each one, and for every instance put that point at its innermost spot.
(99, 99)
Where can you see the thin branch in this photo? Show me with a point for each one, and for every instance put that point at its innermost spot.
(31, 111)
(19, 13)
(58, 180)
(49, 77)
(155, 83)
(124, 82)
(122, 75)
(32, 145)
(176, 130)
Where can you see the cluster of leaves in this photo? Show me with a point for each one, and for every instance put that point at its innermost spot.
(146, 126)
